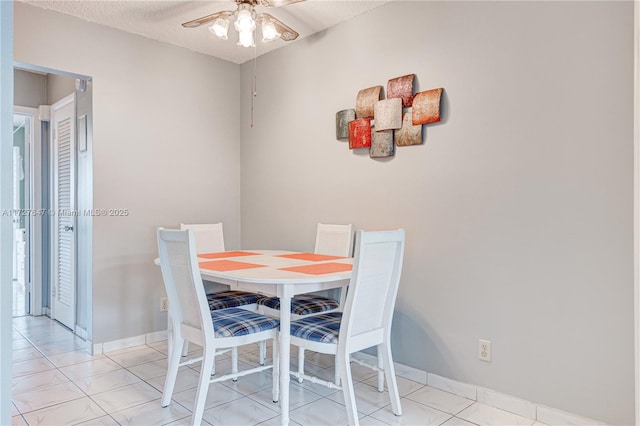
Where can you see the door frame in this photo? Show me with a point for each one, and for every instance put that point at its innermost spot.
(6, 142)
(84, 191)
(636, 204)
(34, 253)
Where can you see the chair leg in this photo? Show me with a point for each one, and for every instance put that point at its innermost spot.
(384, 349)
(336, 373)
(300, 363)
(276, 370)
(380, 372)
(263, 351)
(208, 360)
(185, 348)
(234, 362)
(172, 370)
(344, 367)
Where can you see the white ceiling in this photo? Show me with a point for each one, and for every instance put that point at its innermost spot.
(160, 20)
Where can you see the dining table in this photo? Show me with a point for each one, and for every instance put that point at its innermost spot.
(277, 273)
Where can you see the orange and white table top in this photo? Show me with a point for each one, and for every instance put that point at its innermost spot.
(274, 267)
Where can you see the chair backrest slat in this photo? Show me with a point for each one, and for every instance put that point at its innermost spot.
(209, 236)
(374, 284)
(336, 240)
(182, 280)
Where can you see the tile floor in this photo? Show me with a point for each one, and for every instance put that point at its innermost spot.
(57, 382)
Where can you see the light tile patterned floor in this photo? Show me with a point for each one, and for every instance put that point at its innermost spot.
(57, 382)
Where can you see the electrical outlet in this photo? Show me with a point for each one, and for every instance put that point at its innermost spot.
(164, 304)
(484, 350)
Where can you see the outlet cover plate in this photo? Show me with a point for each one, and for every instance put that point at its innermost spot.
(484, 350)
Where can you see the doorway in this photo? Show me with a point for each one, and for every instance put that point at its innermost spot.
(53, 182)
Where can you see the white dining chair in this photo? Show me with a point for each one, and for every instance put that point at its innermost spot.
(209, 238)
(193, 321)
(335, 240)
(366, 321)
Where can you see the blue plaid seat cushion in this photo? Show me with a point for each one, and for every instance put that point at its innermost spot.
(323, 328)
(303, 304)
(240, 322)
(231, 299)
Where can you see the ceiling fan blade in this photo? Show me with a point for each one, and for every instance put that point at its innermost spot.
(278, 3)
(286, 32)
(206, 19)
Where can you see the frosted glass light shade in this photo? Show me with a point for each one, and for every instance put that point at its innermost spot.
(269, 32)
(246, 39)
(245, 21)
(220, 28)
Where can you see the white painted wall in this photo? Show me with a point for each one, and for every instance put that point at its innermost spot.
(518, 207)
(166, 146)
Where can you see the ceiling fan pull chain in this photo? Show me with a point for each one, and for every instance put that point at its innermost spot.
(254, 89)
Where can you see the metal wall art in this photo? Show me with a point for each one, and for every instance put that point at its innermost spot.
(360, 133)
(401, 87)
(376, 123)
(409, 133)
(342, 122)
(381, 143)
(366, 101)
(426, 107)
(388, 114)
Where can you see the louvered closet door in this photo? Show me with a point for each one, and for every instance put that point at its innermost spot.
(64, 283)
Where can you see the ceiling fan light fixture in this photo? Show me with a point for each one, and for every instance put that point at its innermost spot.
(245, 21)
(220, 28)
(245, 38)
(269, 32)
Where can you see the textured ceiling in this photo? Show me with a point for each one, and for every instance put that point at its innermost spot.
(160, 20)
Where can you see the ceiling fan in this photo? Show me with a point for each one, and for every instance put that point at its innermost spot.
(245, 22)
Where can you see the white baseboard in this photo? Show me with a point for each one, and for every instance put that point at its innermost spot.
(512, 404)
(505, 402)
(117, 345)
(553, 416)
(96, 349)
(129, 342)
(157, 336)
(402, 370)
(464, 390)
(81, 332)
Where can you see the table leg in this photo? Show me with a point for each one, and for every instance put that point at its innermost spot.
(285, 347)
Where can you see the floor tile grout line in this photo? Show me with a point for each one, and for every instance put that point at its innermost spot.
(53, 405)
(249, 358)
(430, 406)
(110, 413)
(69, 379)
(34, 346)
(72, 381)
